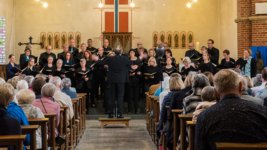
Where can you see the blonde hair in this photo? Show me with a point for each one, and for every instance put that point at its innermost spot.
(7, 92)
(249, 51)
(152, 59)
(187, 60)
(25, 96)
(176, 82)
(188, 82)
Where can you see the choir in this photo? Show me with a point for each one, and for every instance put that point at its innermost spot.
(89, 73)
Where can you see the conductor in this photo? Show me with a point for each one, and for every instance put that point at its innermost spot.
(117, 76)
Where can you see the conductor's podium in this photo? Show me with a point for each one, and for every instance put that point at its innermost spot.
(114, 121)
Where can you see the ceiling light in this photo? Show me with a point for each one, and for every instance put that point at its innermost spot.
(188, 5)
(45, 4)
(194, 1)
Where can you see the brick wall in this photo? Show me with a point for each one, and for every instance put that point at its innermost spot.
(252, 29)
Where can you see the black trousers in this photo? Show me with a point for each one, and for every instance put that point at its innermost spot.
(99, 82)
(133, 96)
(116, 92)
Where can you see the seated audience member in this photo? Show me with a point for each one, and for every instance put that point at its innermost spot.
(159, 88)
(37, 85)
(46, 103)
(25, 98)
(257, 80)
(67, 89)
(256, 89)
(262, 94)
(208, 97)
(227, 62)
(61, 98)
(176, 85)
(190, 102)
(15, 111)
(9, 125)
(210, 76)
(231, 119)
(29, 80)
(22, 84)
(250, 84)
(165, 86)
(2, 81)
(245, 95)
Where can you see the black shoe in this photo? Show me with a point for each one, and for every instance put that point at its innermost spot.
(110, 116)
(120, 116)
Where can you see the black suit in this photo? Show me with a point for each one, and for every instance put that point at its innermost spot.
(193, 54)
(117, 76)
(75, 52)
(61, 56)
(214, 55)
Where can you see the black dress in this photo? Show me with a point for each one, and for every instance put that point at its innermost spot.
(33, 71)
(169, 71)
(60, 73)
(207, 67)
(134, 80)
(152, 75)
(48, 70)
(185, 71)
(227, 64)
(83, 86)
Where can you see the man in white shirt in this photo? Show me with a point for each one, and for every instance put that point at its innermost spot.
(257, 89)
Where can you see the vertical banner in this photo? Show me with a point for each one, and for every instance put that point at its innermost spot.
(2, 40)
(109, 21)
(116, 15)
(123, 22)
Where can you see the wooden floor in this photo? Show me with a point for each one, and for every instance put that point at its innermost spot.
(116, 138)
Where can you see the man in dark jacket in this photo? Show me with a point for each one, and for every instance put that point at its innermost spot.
(74, 51)
(213, 52)
(232, 119)
(44, 56)
(117, 76)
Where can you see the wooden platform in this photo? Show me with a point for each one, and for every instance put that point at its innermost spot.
(114, 121)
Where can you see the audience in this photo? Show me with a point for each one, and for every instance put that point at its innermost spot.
(208, 97)
(246, 96)
(257, 89)
(231, 119)
(165, 87)
(67, 89)
(190, 102)
(61, 98)
(47, 103)
(25, 98)
(29, 80)
(9, 125)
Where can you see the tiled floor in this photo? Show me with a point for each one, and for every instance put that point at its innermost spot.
(117, 137)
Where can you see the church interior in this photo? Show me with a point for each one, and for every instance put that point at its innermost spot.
(133, 74)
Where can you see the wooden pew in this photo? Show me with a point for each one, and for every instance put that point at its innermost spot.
(175, 113)
(191, 136)
(183, 118)
(31, 129)
(63, 126)
(52, 130)
(42, 122)
(241, 146)
(83, 109)
(148, 111)
(75, 121)
(12, 140)
(156, 118)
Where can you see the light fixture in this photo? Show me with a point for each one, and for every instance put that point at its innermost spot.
(194, 1)
(100, 5)
(37, 0)
(132, 4)
(188, 5)
(45, 4)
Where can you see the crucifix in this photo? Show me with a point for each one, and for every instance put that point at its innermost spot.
(30, 42)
